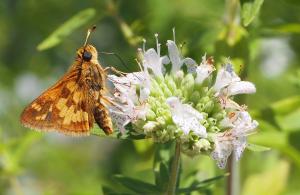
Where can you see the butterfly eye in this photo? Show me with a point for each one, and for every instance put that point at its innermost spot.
(87, 56)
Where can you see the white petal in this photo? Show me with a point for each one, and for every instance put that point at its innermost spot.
(244, 125)
(228, 103)
(152, 61)
(144, 94)
(164, 60)
(174, 56)
(239, 147)
(226, 123)
(225, 76)
(222, 151)
(189, 62)
(241, 87)
(203, 71)
(120, 120)
(136, 78)
(186, 117)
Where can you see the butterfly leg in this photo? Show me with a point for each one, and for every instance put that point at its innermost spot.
(113, 69)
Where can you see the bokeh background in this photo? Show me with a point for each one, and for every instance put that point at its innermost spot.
(260, 37)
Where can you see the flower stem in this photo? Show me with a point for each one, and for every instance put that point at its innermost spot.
(171, 190)
(233, 181)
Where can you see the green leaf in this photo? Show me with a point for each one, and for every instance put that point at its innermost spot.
(269, 139)
(287, 105)
(250, 10)
(162, 176)
(289, 122)
(109, 191)
(288, 28)
(202, 185)
(257, 148)
(161, 164)
(137, 185)
(67, 28)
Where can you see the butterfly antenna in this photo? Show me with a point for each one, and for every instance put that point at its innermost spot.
(117, 56)
(121, 60)
(90, 30)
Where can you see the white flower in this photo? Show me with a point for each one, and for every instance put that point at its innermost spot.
(233, 140)
(175, 57)
(125, 86)
(186, 117)
(204, 70)
(228, 83)
(225, 77)
(126, 113)
(241, 87)
(120, 119)
(153, 61)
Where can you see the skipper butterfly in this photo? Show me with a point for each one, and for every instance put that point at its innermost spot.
(76, 101)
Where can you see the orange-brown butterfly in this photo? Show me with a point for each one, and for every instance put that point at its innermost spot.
(76, 101)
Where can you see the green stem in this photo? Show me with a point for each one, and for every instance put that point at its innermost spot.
(174, 170)
(233, 182)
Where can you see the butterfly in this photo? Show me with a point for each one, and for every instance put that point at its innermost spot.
(74, 102)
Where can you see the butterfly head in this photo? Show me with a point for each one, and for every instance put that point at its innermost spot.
(87, 53)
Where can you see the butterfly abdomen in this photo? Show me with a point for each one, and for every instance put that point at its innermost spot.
(102, 118)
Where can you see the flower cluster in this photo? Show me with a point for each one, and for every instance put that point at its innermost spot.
(187, 101)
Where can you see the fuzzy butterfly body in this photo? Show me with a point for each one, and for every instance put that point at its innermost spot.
(75, 102)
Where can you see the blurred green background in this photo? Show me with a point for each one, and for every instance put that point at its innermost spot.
(260, 37)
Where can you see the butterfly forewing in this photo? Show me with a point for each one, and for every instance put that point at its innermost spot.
(65, 107)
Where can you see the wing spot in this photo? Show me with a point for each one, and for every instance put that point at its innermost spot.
(61, 103)
(68, 115)
(36, 106)
(70, 85)
(41, 117)
(76, 97)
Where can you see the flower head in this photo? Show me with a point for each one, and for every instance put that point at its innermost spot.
(167, 105)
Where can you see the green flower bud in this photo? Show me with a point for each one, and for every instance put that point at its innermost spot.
(200, 107)
(178, 77)
(211, 92)
(155, 89)
(150, 126)
(209, 106)
(203, 144)
(220, 115)
(170, 83)
(151, 116)
(166, 90)
(195, 96)
(204, 99)
(187, 85)
(214, 129)
(178, 93)
(205, 123)
(212, 121)
(161, 120)
(205, 115)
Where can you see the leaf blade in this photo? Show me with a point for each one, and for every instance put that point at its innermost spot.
(67, 28)
(250, 10)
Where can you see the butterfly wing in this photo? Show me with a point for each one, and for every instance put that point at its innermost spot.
(66, 107)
